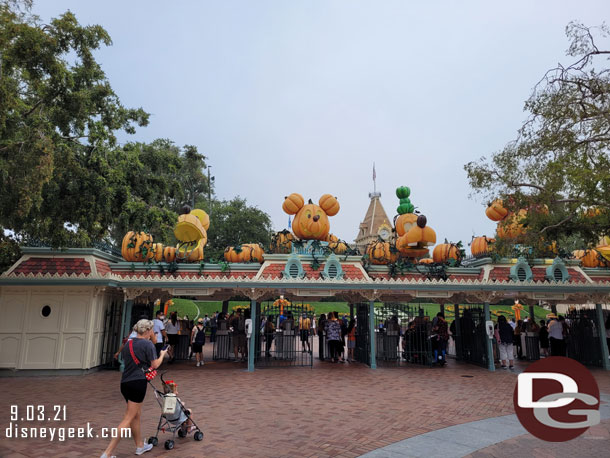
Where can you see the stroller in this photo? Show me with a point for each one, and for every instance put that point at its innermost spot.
(173, 416)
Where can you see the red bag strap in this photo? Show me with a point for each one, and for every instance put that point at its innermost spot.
(133, 355)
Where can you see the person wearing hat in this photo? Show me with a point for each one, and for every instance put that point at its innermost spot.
(198, 341)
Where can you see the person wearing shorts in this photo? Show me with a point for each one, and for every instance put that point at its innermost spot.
(304, 329)
(133, 383)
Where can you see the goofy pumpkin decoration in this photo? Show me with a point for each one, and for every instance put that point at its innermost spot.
(311, 220)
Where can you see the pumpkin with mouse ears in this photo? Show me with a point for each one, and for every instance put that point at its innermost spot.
(311, 220)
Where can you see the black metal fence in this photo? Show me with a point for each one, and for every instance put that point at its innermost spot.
(471, 342)
(288, 340)
(583, 341)
(111, 338)
(362, 352)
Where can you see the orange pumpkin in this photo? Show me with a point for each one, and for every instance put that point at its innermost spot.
(426, 261)
(511, 227)
(169, 254)
(293, 203)
(137, 246)
(481, 246)
(445, 251)
(496, 211)
(405, 222)
(311, 223)
(247, 252)
(158, 251)
(336, 246)
(281, 242)
(329, 204)
(590, 258)
(420, 234)
(381, 253)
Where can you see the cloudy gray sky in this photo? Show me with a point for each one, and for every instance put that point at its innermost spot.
(302, 96)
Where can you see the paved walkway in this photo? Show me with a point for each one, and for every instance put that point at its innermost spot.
(498, 436)
(331, 410)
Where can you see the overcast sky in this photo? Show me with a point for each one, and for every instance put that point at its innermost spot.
(302, 96)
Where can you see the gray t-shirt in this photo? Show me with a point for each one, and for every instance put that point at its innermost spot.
(145, 352)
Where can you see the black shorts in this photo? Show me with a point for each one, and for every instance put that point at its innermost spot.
(197, 347)
(304, 335)
(172, 339)
(159, 347)
(134, 390)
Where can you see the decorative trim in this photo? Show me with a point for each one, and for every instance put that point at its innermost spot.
(333, 261)
(557, 264)
(293, 260)
(521, 264)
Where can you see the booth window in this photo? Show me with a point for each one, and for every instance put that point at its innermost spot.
(46, 311)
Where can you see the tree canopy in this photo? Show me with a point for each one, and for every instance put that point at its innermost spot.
(558, 168)
(234, 222)
(64, 179)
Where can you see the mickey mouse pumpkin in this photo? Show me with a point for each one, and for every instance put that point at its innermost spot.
(311, 220)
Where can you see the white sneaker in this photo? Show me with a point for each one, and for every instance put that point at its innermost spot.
(145, 448)
(202, 363)
(198, 364)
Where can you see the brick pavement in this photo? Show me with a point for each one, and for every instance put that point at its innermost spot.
(331, 410)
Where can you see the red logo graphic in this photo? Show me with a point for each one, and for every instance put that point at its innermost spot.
(557, 399)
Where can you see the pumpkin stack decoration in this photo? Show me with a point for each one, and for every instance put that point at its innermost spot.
(247, 252)
(591, 258)
(414, 235)
(311, 220)
(509, 223)
(281, 242)
(191, 233)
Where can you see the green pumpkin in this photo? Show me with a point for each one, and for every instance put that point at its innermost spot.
(405, 208)
(405, 200)
(403, 192)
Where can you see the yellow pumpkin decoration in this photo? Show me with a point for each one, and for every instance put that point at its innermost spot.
(329, 204)
(380, 253)
(190, 251)
(247, 252)
(426, 261)
(511, 227)
(169, 254)
(158, 251)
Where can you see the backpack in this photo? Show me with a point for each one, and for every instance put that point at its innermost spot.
(200, 336)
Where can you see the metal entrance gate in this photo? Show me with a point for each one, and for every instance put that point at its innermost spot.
(362, 352)
(402, 333)
(286, 337)
(472, 341)
(111, 339)
(584, 336)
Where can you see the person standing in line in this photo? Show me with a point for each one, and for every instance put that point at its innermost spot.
(304, 329)
(505, 342)
(198, 341)
(556, 337)
(321, 335)
(442, 335)
(172, 328)
(159, 331)
(333, 335)
(213, 327)
(543, 337)
(248, 323)
(351, 340)
(269, 332)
